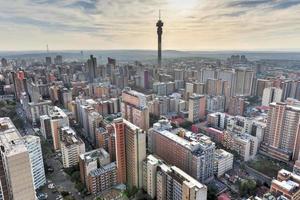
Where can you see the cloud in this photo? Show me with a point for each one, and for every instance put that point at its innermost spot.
(189, 24)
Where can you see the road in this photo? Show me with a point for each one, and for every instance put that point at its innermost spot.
(61, 180)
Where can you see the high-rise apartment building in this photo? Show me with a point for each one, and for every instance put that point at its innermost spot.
(281, 139)
(94, 120)
(271, 94)
(197, 106)
(130, 152)
(169, 182)
(57, 119)
(33, 145)
(244, 82)
(134, 108)
(236, 106)
(182, 149)
(261, 84)
(15, 165)
(71, 147)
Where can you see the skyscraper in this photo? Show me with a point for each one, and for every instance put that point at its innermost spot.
(33, 145)
(159, 26)
(91, 67)
(130, 152)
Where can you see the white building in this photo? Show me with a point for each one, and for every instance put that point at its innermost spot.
(271, 94)
(223, 162)
(33, 145)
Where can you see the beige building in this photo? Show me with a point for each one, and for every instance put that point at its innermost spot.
(15, 168)
(223, 162)
(134, 108)
(197, 106)
(282, 138)
(71, 147)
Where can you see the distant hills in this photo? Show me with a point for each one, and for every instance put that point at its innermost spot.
(140, 55)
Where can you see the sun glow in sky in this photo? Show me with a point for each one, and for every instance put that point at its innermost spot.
(130, 24)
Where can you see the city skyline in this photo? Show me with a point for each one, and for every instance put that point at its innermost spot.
(188, 25)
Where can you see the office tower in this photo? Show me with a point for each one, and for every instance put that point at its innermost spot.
(270, 95)
(94, 120)
(134, 108)
(281, 139)
(169, 182)
(194, 156)
(48, 60)
(236, 106)
(71, 147)
(58, 119)
(45, 126)
(286, 185)
(91, 68)
(4, 62)
(130, 152)
(33, 145)
(159, 26)
(197, 106)
(15, 166)
(261, 84)
(223, 162)
(58, 60)
(97, 172)
(244, 81)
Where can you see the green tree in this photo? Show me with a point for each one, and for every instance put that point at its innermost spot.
(211, 193)
(247, 187)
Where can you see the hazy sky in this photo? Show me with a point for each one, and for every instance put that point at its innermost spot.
(130, 24)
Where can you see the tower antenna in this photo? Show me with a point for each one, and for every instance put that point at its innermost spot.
(47, 48)
(159, 14)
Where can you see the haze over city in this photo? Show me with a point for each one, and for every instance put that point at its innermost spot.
(128, 24)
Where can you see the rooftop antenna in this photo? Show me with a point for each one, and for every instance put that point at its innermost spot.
(159, 14)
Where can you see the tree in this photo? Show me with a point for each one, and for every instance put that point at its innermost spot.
(211, 193)
(247, 187)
